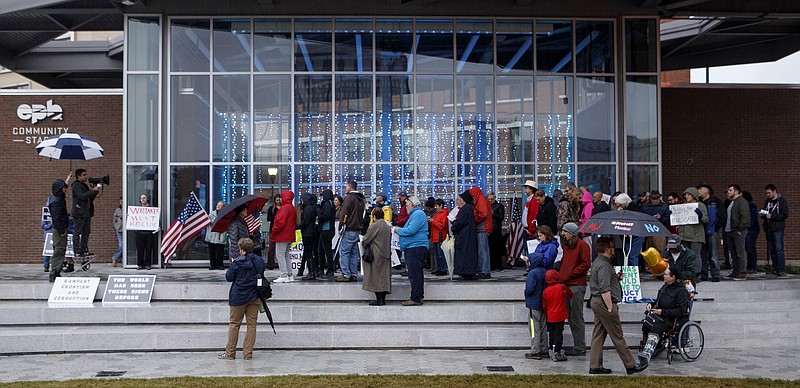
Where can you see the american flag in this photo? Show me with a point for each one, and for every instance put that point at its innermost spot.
(516, 232)
(253, 223)
(191, 221)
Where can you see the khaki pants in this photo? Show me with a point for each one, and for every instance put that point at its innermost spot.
(606, 324)
(250, 313)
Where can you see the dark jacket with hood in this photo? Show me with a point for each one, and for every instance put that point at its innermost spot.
(720, 215)
(779, 209)
(57, 203)
(353, 211)
(243, 275)
(308, 221)
(673, 300)
(326, 213)
(548, 214)
(534, 284)
(685, 263)
(284, 226)
(466, 245)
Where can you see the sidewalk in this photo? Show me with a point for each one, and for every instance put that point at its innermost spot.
(758, 363)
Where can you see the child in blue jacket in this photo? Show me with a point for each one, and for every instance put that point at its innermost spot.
(534, 286)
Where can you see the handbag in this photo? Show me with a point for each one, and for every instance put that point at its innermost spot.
(368, 256)
(263, 287)
(651, 320)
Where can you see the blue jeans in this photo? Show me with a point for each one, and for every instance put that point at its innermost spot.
(483, 253)
(46, 259)
(775, 246)
(636, 250)
(709, 257)
(118, 253)
(415, 262)
(441, 264)
(348, 253)
(750, 248)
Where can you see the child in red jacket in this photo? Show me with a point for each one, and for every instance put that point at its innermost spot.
(554, 304)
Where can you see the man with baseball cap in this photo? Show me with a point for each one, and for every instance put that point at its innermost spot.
(574, 269)
(683, 259)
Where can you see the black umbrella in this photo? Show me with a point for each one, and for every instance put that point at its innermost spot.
(225, 215)
(269, 314)
(624, 222)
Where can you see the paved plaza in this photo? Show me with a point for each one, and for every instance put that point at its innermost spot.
(773, 364)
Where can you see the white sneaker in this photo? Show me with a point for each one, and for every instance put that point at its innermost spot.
(281, 280)
(290, 280)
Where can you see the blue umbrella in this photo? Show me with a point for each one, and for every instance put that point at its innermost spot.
(70, 146)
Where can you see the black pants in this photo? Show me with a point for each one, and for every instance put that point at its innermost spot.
(497, 249)
(145, 242)
(326, 251)
(309, 254)
(556, 332)
(80, 237)
(216, 254)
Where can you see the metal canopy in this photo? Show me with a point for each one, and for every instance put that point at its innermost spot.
(727, 32)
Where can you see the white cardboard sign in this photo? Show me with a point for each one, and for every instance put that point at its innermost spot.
(683, 214)
(73, 290)
(142, 218)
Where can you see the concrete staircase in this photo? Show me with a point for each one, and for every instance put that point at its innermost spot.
(327, 315)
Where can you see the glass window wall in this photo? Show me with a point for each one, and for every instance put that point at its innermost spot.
(189, 118)
(313, 49)
(142, 50)
(354, 45)
(435, 46)
(191, 44)
(231, 140)
(272, 45)
(232, 46)
(142, 116)
(553, 46)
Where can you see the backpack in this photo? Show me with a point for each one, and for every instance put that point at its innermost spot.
(263, 287)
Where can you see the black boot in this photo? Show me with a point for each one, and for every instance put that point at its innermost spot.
(380, 299)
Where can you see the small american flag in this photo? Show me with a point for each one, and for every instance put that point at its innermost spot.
(516, 232)
(253, 223)
(191, 221)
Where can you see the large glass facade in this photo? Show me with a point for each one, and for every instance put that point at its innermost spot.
(431, 106)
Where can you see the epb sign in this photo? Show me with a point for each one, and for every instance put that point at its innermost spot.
(38, 112)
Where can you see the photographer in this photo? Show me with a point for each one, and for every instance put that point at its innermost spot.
(83, 195)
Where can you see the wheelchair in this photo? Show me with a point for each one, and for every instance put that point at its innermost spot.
(687, 340)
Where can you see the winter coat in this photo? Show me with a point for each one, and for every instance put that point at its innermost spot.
(378, 273)
(548, 214)
(466, 246)
(242, 274)
(308, 221)
(353, 211)
(696, 232)
(600, 207)
(533, 212)
(82, 200)
(740, 215)
(547, 251)
(673, 300)
(554, 297)
(118, 219)
(753, 218)
(236, 229)
(498, 215)
(326, 213)
(271, 213)
(588, 207)
(718, 223)
(387, 211)
(661, 209)
(402, 216)
(415, 233)
(283, 226)
(534, 284)
(685, 263)
(575, 263)
(215, 237)
(58, 207)
(779, 208)
(568, 212)
(483, 210)
(438, 226)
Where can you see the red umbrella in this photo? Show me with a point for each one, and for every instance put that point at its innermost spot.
(254, 203)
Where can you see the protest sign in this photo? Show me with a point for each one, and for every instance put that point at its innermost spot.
(142, 218)
(73, 291)
(129, 290)
(48, 246)
(631, 287)
(683, 214)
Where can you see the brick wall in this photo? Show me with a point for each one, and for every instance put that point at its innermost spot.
(676, 77)
(27, 177)
(745, 136)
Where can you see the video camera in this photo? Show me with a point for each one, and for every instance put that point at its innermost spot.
(103, 180)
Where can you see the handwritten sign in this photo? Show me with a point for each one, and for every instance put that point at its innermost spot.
(73, 290)
(48, 246)
(683, 214)
(129, 289)
(631, 287)
(142, 218)
(395, 249)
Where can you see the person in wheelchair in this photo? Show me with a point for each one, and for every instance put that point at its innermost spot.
(671, 309)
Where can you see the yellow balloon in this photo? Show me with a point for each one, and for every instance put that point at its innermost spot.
(655, 263)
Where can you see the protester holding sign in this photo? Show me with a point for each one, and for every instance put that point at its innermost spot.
(694, 235)
(145, 241)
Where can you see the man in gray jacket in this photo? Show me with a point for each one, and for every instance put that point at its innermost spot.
(736, 230)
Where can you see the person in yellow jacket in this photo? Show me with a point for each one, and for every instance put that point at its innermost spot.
(380, 203)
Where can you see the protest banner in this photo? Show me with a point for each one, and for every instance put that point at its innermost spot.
(631, 287)
(683, 214)
(48, 246)
(125, 290)
(143, 218)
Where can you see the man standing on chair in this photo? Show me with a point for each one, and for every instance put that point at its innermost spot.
(83, 195)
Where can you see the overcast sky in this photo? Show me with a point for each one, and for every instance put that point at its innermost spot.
(783, 71)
